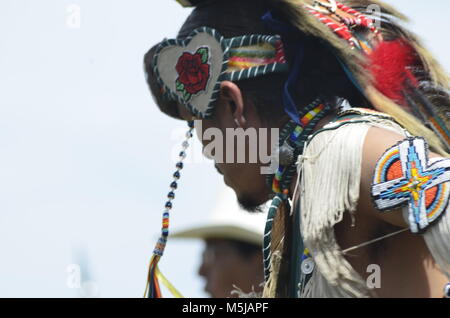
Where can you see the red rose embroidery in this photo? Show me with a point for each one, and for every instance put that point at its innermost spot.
(193, 72)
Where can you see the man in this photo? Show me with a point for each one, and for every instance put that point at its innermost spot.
(358, 191)
(232, 258)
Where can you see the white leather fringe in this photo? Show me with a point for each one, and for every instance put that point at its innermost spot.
(437, 238)
(329, 185)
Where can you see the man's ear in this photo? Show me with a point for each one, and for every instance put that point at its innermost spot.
(232, 94)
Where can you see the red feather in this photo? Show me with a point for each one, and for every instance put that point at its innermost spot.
(390, 64)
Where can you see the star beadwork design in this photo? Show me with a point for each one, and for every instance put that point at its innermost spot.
(416, 183)
(418, 175)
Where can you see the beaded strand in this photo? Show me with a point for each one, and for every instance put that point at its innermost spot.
(296, 139)
(152, 287)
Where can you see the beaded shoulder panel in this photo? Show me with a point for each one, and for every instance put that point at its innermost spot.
(406, 176)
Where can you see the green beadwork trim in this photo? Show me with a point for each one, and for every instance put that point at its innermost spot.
(276, 202)
(183, 43)
(228, 46)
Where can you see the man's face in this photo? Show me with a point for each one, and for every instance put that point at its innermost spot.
(224, 267)
(244, 178)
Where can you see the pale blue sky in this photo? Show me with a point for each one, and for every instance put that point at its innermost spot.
(84, 164)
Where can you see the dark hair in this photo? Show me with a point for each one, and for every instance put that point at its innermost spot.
(321, 72)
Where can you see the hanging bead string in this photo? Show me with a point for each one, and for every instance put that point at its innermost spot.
(153, 289)
(286, 150)
(295, 143)
(294, 137)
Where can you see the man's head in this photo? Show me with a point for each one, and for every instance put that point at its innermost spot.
(254, 103)
(227, 263)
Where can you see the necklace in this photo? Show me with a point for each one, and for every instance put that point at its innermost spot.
(292, 141)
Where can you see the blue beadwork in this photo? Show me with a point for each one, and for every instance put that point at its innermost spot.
(418, 176)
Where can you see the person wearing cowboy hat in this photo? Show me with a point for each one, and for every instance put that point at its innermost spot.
(232, 256)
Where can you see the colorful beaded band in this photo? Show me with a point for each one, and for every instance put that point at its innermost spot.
(292, 146)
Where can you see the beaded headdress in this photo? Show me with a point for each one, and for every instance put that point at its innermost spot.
(190, 71)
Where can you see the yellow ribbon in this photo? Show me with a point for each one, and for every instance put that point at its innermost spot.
(167, 284)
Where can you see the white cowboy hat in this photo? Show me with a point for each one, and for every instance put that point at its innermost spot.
(228, 221)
